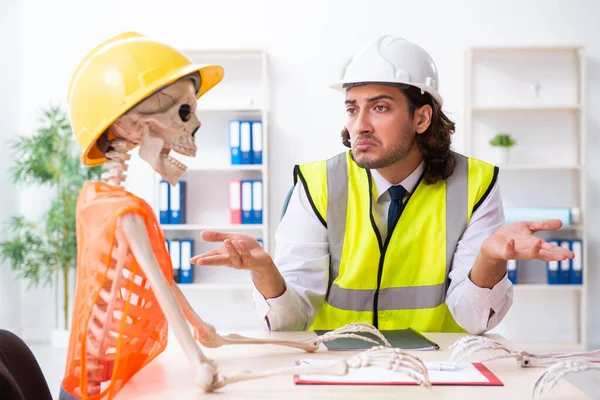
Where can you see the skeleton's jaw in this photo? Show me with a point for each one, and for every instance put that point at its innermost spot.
(155, 152)
(169, 168)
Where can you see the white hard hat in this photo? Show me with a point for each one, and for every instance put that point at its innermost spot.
(389, 59)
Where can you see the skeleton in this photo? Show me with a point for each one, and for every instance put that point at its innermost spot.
(559, 364)
(165, 122)
(550, 377)
(379, 356)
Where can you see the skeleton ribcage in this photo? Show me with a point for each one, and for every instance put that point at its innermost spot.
(123, 311)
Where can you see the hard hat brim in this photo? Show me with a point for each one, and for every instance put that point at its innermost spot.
(210, 75)
(339, 86)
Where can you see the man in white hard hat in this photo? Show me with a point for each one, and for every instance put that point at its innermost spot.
(400, 231)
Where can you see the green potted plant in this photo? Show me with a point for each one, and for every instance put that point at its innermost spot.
(502, 143)
(41, 251)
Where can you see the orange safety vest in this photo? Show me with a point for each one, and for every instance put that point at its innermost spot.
(135, 313)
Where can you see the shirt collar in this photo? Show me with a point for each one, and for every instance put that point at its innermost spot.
(409, 183)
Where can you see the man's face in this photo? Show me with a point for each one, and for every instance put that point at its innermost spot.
(381, 129)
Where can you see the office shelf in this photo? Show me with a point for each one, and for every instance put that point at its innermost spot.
(538, 96)
(243, 94)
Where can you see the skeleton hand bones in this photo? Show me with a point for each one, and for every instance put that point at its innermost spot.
(379, 356)
(208, 337)
(550, 377)
(559, 364)
(469, 345)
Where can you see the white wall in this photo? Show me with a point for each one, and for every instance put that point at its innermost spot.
(10, 305)
(307, 45)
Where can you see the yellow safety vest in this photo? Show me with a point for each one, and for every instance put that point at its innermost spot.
(401, 282)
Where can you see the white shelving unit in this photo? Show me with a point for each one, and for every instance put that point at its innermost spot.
(241, 95)
(538, 95)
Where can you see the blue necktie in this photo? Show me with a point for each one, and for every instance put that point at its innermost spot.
(397, 194)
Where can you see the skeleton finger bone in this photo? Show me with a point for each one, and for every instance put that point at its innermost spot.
(550, 377)
(383, 357)
(470, 345)
(350, 330)
(393, 359)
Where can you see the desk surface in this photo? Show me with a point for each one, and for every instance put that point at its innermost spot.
(170, 377)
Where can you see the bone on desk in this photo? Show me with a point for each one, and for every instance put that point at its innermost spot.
(170, 376)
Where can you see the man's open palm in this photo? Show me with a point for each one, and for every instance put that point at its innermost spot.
(517, 241)
(238, 251)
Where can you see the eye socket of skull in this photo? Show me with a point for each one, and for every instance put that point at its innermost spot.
(185, 112)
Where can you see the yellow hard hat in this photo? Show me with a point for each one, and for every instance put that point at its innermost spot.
(118, 74)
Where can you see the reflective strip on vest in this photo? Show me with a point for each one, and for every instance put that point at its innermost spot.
(337, 188)
(398, 298)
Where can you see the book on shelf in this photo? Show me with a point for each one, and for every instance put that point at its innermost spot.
(246, 201)
(569, 271)
(246, 142)
(181, 251)
(172, 202)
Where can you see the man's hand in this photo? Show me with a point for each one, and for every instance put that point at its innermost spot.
(238, 251)
(515, 241)
(241, 251)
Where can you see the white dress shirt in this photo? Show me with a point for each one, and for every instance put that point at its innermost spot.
(302, 257)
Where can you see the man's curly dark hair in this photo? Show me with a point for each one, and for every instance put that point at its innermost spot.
(434, 142)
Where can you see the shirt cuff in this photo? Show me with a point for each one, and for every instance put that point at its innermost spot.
(485, 298)
(277, 313)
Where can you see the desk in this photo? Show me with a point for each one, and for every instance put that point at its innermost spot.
(170, 377)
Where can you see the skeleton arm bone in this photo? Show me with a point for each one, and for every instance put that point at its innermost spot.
(470, 345)
(207, 375)
(545, 359)
(208, 336)
(383, 357)
(137, 235)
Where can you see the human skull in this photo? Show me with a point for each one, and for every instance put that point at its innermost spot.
(163, 122)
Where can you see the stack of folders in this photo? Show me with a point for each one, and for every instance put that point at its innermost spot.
(171, 202)
(246, 142)
(566, 272)
(181, 250)
(246, 201)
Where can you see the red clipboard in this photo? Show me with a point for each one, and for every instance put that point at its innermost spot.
(485, 378)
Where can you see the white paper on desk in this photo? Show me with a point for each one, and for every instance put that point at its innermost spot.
(464, 374)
